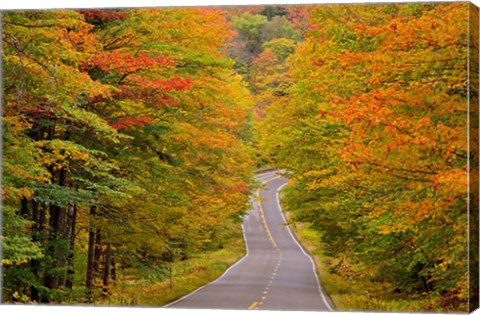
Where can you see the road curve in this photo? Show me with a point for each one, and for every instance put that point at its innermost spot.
(275, 274)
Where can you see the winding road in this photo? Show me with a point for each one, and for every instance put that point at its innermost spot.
(275, 274)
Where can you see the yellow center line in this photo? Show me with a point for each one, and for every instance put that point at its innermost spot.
(253, 305)
(256, 304)
(260, 208)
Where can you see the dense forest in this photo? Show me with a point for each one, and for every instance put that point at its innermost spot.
(130, 138)
(374, 131)
(124, 144)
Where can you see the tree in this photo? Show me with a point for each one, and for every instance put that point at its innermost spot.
(119, 147)
(374, 133)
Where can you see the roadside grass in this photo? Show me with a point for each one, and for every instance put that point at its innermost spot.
(365, 294)
(188, 275)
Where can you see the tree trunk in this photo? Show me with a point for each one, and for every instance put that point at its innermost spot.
(114, 270)
(98, 251)
(58, 239)
(52, 236)
(34, 264)
(36, 221)
(72, 215)
(42, 219)
(51, 280)
(90, 257)
(425, 284)
(106, 270)
(24, 208)
(42, 235)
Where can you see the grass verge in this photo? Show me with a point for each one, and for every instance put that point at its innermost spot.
(359, 293)
(188, 275)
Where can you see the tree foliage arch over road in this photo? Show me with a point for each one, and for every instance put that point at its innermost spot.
(374, 128)
(130, 137)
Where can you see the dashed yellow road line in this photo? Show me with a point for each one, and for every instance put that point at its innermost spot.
(260, 209)
(253, 305)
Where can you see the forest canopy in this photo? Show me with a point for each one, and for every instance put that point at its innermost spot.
(130, 138)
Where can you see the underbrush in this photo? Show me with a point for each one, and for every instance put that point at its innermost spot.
(152, 287)
(360, 292)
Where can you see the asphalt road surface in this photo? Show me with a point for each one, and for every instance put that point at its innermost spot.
(275, 274)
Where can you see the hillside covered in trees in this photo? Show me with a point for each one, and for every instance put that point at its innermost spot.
(130, 138)
(125, 144)
(374, 129)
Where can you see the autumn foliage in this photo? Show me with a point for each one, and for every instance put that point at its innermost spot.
(123, 146)
(130, 136)
(374, 130)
